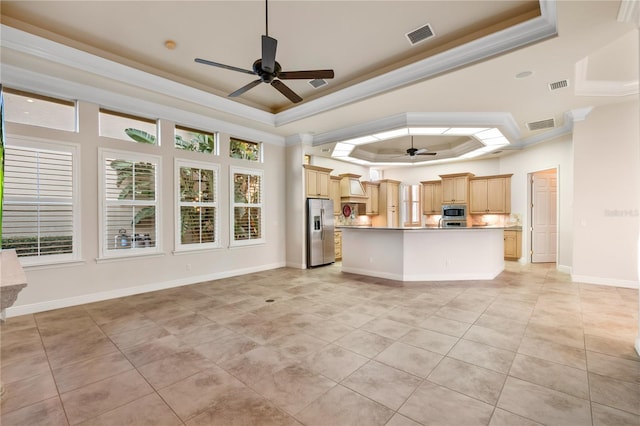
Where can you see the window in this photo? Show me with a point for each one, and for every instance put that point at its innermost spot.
(197, 185)
(411, 205)
(245, 150)
(128, 127)
(40, 201)
(196, 140)
(38, 110)
(129, 211)
(246, 204)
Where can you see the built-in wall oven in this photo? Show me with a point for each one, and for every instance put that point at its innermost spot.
(454, 216)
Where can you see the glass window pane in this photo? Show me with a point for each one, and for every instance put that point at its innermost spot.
(195, 140)
(37, 110)
(127, 127)
(244, 150)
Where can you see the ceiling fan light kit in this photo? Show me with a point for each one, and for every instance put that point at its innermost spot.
(269, 70)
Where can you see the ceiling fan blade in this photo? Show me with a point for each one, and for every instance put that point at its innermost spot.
(284, 89)
(426, 153)
(305, 75)
(228, 67)
(269, 46)
(243, 89)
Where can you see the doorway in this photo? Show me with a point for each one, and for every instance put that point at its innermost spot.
(544, 214)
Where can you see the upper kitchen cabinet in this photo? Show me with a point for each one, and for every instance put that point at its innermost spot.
(334, 193)
(388, 205)
(373, 191)
(431, 197)
(317, 181)
(455, 188)
(490, 194)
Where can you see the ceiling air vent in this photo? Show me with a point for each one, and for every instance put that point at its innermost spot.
(421, 34)
(558, 85)
(318, 82)
(549, 123)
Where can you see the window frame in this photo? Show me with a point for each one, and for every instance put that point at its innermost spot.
(31, 143)
(409, 202)
(107, 111)
(260, 145)
(178, 245)
(31, 97)
(232, 206)
(103, 252)
(216, 139)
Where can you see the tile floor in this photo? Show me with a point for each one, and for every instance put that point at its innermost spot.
(527, 348)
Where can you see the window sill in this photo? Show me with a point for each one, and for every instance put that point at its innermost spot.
(126, 258)
(180, 252)
(52, 265)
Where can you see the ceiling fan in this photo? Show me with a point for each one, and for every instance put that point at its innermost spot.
(269, 70)
(412, 152)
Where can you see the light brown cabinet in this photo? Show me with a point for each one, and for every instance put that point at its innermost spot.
(337, 236)
(388, 204)
(431, 197)
(455, 188)
(316, 181)
(334, 194)
(512, 244)
(373, 192)
(490, 194)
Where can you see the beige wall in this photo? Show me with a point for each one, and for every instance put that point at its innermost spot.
(64, 285)
(607, 195)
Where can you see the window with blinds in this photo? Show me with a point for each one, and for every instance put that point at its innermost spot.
(247, 206)
(197, 196)
(411, 213)
(40, 201)
(129, 203)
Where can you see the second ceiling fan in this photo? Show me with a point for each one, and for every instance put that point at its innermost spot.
(269, 70)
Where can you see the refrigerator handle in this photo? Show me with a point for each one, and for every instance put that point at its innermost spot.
(322, 224)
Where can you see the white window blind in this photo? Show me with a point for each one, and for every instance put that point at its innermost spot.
(247, 206)
(197, 185)
(39, 201)
(130, 204)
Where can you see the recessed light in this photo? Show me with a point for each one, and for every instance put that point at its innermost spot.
(524, 74)
(170, 44)
(30, 101)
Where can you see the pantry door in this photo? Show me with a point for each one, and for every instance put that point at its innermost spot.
(544, 226)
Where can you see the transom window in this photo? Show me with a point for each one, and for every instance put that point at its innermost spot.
(196, 140)
(128, 127)
(247, 206)
(39, 110)
(197, 205)
(245, 150)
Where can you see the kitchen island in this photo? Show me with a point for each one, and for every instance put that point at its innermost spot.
(423, 254)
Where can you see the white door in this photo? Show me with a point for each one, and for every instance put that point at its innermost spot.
(544, 230)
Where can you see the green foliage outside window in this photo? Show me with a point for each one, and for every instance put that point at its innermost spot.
(244, 150)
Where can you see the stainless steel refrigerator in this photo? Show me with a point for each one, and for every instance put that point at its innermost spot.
(320, 225)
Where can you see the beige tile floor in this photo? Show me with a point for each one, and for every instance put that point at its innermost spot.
(527, 348)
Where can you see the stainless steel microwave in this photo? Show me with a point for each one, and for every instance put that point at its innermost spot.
(454, 211)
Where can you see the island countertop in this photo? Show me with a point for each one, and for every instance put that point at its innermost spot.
(423, 253)
(425, 228)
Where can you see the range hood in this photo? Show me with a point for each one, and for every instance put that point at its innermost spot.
(351, 190)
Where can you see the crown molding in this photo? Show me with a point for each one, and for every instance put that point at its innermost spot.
(586, 87)
(534, 30)
(27, 80)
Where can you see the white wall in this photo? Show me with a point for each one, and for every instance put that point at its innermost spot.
(415, 174)
(555, 154)
(64, 285)
(607, 195)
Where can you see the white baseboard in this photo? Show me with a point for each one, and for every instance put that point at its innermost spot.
(129, 291)
(605, 281)
(564, 268)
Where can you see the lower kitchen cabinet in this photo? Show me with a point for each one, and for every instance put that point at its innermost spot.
(512, 244)
(337, 235)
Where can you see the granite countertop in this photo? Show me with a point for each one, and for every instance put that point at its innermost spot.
(417, 228)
